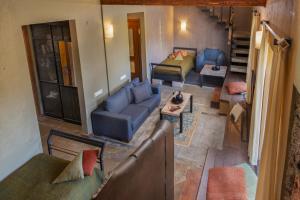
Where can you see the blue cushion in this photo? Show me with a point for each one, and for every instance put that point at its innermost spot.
(211, 54)
(128, 88)
(142, 92)
(117, 102)
(151, 103)
(136, 81)
(209, 62)
(138, 114)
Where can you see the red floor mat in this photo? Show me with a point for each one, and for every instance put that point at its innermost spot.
(226, 183)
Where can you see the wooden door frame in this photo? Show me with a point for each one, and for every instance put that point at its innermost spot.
(32, 71)
(138, 47)
(76, 66)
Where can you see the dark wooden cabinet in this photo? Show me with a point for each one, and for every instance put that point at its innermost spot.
(51, 43)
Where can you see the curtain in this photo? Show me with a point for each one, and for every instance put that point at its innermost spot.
(266, 91)
(252, 59)
(276, 127)
(256, 114)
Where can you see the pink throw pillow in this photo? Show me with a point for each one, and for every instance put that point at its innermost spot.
(236, 87)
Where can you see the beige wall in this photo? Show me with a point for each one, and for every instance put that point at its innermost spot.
(242, 19)
(202, 30)
(159, 38)
(19, 133)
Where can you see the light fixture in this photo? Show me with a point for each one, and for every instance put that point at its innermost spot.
(183, 26)
(109, 30)
(258, 39)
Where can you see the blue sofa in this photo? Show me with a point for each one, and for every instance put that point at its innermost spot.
(119, 116)
(210, 56)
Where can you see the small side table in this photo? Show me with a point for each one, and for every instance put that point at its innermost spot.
(178, 113)
(212, 78)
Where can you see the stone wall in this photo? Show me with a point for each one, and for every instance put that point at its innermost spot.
(293, 151)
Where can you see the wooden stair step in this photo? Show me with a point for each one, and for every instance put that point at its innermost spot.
(240, 51)
(239, 59)
(239, 69)
(241, 34)
(241, 42)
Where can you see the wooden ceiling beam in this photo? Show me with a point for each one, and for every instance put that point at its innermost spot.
(187, 2)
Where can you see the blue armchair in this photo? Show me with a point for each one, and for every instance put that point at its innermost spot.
(210, 56)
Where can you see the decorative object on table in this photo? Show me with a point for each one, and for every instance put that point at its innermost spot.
(211, 77)
(186, 98)
(216, 68)
(174, 108)
(178, 99)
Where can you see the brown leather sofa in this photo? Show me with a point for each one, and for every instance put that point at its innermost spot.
(148, 173)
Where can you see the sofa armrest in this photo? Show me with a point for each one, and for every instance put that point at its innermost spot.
(200, 61)
(113, 125)
(221, 59)
(156, 89)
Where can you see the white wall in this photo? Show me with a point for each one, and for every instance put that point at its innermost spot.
(159, 38)
(19, 133)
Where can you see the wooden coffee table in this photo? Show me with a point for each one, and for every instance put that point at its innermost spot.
(178, 113)
(211, 77)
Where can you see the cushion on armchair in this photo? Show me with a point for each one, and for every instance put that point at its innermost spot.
(210, 56)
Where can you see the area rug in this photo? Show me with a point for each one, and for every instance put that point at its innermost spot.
(190, 123)
(226, 183)
(251, 180)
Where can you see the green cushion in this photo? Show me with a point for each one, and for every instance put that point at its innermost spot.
(72, 172)
(33, 181)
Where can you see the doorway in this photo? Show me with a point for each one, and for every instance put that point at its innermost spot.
(134, 34)
(136, 45)
(53, 70)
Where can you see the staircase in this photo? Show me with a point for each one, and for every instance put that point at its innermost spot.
(221, 14)
(238, 42)
(239, 52)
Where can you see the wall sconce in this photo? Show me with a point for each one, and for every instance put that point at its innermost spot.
(258, 39)
(109, 31)
(183, 26)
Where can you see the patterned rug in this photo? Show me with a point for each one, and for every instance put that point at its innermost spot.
(190, 122)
